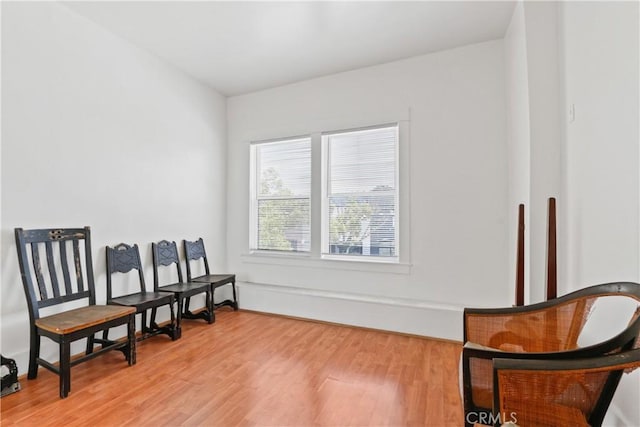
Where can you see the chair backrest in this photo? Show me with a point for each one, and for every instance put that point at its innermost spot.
(165, 253)
(67, 273)
(194, 251)
(123, 258)
(555, 325)
(560, 392)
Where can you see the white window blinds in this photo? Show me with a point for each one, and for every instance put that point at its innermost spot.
(361, 200)
(281, 195)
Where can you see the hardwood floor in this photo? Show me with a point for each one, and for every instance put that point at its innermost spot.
(255, 369)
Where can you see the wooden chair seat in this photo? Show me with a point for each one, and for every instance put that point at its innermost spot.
(143, 300)
(187, 289)
(82, 318)
(216, 280)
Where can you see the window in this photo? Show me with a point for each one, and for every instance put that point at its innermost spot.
(281, 189)
(331, 195)
(360, 202)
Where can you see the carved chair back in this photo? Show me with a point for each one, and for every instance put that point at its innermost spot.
(165, 254)
(193, 251)
(123, 258)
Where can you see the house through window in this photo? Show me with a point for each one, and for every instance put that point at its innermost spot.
(355, 216)
(281, 195)
(361, 197)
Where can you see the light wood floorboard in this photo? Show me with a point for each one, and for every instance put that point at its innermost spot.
(251, 369)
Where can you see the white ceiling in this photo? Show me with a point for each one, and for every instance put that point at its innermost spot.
(241, 47)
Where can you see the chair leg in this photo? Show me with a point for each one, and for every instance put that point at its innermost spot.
(212, 306)
(131, 338)
(89, 344)
(34, 353)
(179, 313)
(209, 302)
(235, 300)
(144, 323)
(175, 331)
(65, 367)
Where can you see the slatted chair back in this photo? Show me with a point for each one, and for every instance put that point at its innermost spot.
(123, 258)
(57, 268)
(165, 253)
(60, 260)
(193, 251)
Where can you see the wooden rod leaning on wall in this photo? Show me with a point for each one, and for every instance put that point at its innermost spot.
(552, 264)
(520, 258)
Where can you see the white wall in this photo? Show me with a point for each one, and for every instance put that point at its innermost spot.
(545, 133)
(455, 102)
(601, 73)
(518, 139)
(535, 155)
(585, 54)
(97, 132)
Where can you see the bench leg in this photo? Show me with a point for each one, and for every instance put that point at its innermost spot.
(65, 367)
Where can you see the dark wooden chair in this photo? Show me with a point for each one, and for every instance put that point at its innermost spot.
(536, 393)
(548, 330)
(194, 251)
(123, 258)
(165, 254)
(60, 279)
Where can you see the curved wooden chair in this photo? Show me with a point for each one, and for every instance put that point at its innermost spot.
(545, 331)
(537, 393)
(165, 254)
(123, 258)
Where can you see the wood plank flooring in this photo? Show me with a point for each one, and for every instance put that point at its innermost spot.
(253, 369)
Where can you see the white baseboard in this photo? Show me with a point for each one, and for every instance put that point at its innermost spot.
(385, 313)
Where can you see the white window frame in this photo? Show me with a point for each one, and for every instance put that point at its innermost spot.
(255, 197)
(326, 192)
(314, 258)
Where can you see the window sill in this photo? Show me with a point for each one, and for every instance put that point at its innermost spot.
(306, 260)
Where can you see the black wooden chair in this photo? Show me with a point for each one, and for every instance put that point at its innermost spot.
(194, 251)
(61, 279)
(123, 258)
(165, 254)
